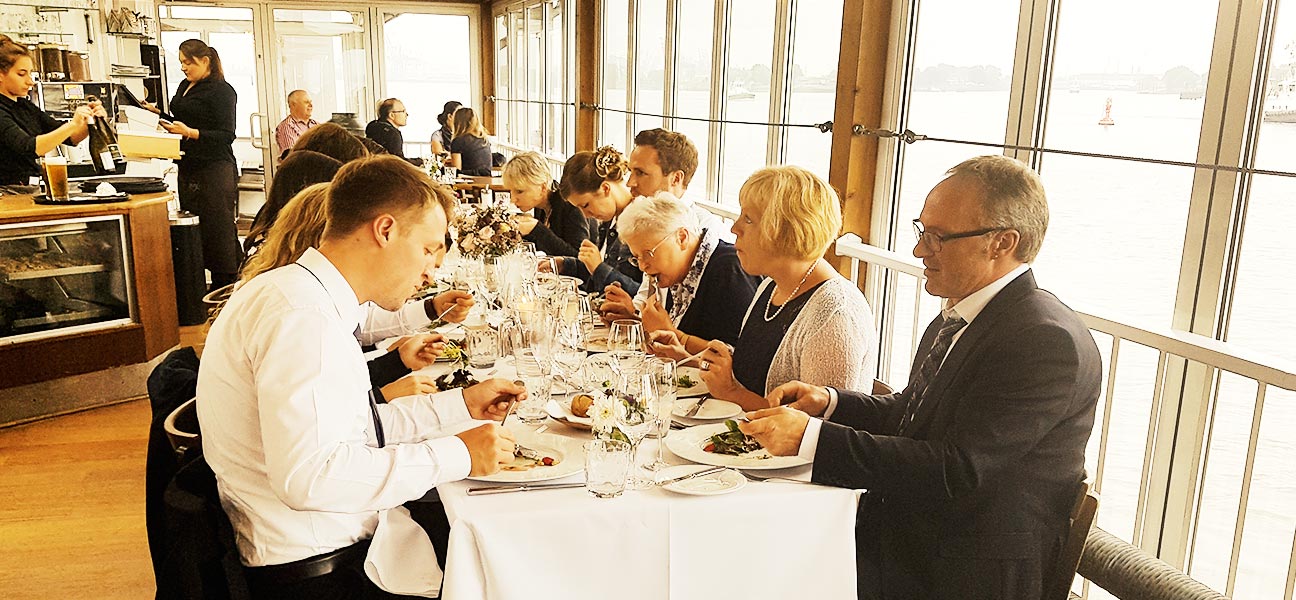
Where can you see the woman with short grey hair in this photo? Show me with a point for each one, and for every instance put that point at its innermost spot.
(698, 289)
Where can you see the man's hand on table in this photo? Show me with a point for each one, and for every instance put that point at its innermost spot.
(810, 399)
(489, 446)
(779, 430)
(490, 399)
(419, 350)
(409, 385)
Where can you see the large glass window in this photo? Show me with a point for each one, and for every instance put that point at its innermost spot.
(424, 81)
(535, 76)
(693, 82)
(556, 80)
(612, 125)
(650, 66)
(813, 82)
(503, 84)
(747, 94)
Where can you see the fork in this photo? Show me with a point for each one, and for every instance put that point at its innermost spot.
(774, 479)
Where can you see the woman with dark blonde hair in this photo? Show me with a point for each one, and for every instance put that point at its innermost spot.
(595, 183)
(332, 140)
(469, 150)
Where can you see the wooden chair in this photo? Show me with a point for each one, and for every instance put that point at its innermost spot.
(182, 429)
(1058, 587)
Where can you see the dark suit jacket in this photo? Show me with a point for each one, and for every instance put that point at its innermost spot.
(566, 230)
(973, 500)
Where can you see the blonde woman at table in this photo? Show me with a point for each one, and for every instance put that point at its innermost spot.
(300, 226)
(806, 322)
(557, 228)
(703, 287)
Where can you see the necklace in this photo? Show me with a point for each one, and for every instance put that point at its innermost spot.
(770, 300)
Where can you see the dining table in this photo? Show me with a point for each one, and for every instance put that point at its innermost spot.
(780, 538)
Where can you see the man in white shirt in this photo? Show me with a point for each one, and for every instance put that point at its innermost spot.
(661, 161)
(309, 467)
(973, 468)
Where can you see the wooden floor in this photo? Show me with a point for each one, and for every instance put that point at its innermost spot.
(72, 506)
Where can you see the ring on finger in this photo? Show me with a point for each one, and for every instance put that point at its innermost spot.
(705, 366)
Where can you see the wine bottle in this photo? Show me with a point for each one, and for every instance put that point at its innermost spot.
(105, 155)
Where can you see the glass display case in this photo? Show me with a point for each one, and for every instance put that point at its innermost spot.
(64, 276)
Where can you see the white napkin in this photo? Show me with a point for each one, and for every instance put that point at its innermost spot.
(401, 559)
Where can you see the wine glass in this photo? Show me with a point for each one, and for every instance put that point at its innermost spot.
(568, 350)
(637, 389)
(662, 371)
(626, 340)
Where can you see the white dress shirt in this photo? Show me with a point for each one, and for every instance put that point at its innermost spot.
(968, 308)
(380, 324)
(288, 430)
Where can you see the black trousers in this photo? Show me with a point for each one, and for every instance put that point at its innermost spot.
(210, 190)
(350, 582)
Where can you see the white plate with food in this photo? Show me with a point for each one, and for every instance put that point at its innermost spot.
(711, 484)
(712, 409)
(697, 444)
(560, 410)
(688, 382)
(540, 459)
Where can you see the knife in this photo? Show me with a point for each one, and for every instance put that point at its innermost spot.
(696, 407)
(710, 471)
(504, 489)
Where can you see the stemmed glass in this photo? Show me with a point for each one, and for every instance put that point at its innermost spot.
(568, 350)
(662, 371)
(626, 340)
(637, 389)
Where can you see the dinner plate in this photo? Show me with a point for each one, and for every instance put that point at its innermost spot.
(559, 410)
(714, 484)
(689, 443)
(698, 388)
(570, 456)
(712, 409)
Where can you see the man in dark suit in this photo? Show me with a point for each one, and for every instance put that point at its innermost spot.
(972, 469)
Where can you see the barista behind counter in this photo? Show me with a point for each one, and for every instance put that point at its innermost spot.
(27, 132)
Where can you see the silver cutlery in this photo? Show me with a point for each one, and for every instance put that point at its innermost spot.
(524, 487)
(693, 411)
(703, 472)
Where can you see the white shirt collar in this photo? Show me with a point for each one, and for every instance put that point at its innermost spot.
(338, 288)
(970, 307)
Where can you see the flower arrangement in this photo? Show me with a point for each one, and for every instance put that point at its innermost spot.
(609, 410)
(487, 231)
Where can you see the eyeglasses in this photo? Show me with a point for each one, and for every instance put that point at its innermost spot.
(936, 241)
(634, 260)
(400, 111)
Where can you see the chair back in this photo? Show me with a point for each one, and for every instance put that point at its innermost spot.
(182, 429)
(1082, 518)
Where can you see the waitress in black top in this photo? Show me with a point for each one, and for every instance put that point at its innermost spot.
(27, 132)
(204, 109)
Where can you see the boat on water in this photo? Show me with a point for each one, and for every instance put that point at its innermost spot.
(1280, 102)
(739, 92)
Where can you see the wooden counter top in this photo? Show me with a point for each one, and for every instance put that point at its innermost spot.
(20, 209)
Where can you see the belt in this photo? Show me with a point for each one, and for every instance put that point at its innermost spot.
(307, 568)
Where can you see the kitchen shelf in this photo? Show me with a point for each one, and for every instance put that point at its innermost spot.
(59, 272)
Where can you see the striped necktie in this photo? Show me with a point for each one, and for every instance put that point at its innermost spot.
(930, 365)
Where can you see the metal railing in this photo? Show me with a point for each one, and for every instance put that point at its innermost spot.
(1174, 350)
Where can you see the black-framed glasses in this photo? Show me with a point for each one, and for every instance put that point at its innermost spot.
(634, 260)
(402, 111)
(936, 241)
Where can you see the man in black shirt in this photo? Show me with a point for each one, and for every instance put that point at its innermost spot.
(385, 129)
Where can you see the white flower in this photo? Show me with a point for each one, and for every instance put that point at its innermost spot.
(604, 411)
(485, 232)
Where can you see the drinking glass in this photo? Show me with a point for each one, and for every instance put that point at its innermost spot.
(568, 351)
(607, 462)
(663, 374)
(638, 390)
(483, 350)
(626, 339)
(56, 177)
(537, 380)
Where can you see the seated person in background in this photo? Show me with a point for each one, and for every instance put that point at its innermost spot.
(332, 140)
(973, 468)
(557, 228)
(441, 137)
(661, 161)
(300, 227)
(469, 150)
(296, 123)
(806, 322)
(703, 288)
(594, 182)
(386, 128)
(301, 169)
(306, 463)
(373, 147)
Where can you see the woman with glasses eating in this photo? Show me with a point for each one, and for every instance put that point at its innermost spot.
(806, 322)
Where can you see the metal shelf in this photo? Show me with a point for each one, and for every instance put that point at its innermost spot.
(77, 310)
(46, 273)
